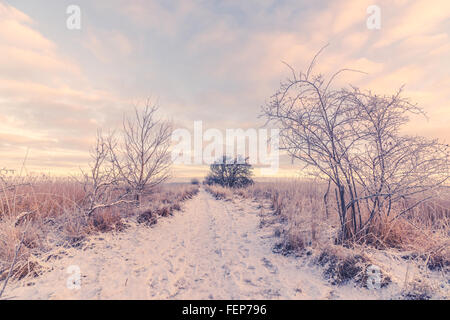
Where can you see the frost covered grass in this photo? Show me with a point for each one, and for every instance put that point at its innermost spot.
(41, 213)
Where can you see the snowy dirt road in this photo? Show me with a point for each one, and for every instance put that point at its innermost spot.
(213, 249)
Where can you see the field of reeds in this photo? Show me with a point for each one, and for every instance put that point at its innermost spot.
(38, 214)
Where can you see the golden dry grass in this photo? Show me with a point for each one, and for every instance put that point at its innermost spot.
(425, 230)
(300, 204)
(219, 192)
(48, 212)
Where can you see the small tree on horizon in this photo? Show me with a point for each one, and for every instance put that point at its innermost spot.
(232, 173)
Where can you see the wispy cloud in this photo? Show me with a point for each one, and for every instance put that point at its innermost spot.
(211, 61)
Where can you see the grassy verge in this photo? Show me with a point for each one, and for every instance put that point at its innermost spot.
(47, 213)
(296, 210)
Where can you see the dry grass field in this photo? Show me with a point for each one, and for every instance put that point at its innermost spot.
(425, 229)
(296, 207)
(41, 213)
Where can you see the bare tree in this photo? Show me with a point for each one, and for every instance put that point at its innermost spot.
(351, 138)
(101, 182)
(142, 158)
(390, 167)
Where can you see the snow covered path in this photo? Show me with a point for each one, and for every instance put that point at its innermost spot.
(212, 250)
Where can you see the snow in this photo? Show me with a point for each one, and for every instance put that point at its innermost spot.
(214, 249)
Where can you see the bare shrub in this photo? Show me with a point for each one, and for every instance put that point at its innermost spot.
(352, 139)
(141, 158)
(107, 220)
(101, 183)
(342, 266)
(148, 218)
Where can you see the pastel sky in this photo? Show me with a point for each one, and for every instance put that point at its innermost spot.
(215, 61)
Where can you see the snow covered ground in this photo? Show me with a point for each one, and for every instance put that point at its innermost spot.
(214, 249)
